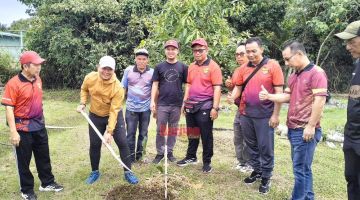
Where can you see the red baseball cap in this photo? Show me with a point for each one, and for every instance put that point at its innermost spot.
(199, 41)
(172, 43)
(31, 57)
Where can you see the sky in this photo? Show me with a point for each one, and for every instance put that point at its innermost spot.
(12, 10)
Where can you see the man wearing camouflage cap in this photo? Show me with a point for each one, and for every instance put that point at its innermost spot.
(352, 128)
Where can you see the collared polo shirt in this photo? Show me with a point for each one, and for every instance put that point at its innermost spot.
(303, 86)
(270, 75)
(26, 98)
(202, 78)
(138, 86)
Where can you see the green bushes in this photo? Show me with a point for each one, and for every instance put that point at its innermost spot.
(8, 66)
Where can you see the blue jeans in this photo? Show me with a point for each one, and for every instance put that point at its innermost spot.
(302, 154)
(132, 120)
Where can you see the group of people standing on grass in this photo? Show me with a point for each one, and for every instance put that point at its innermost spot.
(173, 88)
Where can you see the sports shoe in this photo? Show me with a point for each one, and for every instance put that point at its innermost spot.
(207, 168)
(131, 178)
(93, 177)
(252, 178)
(158, 158)
(53, 187)
(246, 168)
(171, 157)
(186, 161)
(265, 186)
(28, 196)
(238, 166)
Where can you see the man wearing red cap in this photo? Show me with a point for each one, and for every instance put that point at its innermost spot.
(168, 79)
(24, 113)
(202, 95)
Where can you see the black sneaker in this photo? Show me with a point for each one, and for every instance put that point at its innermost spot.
(53, 187)
(171, 157)
(265, 186)
(28, 196)
(158, 158)
(252, 178)
(207, 168)
(186, 161)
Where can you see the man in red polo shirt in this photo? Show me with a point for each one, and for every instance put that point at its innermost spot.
(259, 118)
(24, 114)
(306, 94)
(203, 86)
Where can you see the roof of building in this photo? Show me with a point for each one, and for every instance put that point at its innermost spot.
(9, 34)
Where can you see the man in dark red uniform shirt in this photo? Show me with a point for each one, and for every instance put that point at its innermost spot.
(23, 101)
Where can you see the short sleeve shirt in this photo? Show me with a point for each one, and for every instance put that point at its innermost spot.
(138, 85)
(270, 75)
(202, 78)
(171, 77)
(303, 86)
(26, 98)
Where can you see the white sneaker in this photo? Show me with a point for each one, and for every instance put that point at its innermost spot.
(239, 166)
(54, 187)
(246, 169)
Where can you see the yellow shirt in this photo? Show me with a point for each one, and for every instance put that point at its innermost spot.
(106, 97)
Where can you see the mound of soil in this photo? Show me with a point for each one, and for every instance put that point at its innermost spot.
(152, 188)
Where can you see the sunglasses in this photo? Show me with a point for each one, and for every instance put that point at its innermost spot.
(198, 50)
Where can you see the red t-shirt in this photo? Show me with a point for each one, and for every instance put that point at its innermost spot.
(269, 75)
(26, 98)
(302, 87)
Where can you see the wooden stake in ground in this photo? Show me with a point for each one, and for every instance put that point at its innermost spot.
(166, 164)
(103, 140)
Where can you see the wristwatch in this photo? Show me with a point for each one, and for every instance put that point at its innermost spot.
(217, 109)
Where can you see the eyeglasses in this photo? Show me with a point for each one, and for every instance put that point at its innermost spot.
(288, 59)
(198, 50)
(240, 54)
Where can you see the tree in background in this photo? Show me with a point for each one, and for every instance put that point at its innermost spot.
(73, 34)
(263, 19)
(314, 23)
(190, 19)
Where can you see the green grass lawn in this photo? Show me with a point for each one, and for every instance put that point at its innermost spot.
(71, 165)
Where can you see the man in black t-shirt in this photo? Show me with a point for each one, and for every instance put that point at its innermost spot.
(351, 146)
(167, 99)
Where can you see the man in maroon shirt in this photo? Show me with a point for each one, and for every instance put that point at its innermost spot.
(306, 94)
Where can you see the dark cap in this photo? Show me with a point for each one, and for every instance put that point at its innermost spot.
(199, 41)
(172, 43)
(31, 57)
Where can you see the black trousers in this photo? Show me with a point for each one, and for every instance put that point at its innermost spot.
(119, 137)
(199, 124)
(352, 169)
(33, 142)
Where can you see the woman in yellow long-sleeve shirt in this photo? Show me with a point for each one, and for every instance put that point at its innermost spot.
(106, 96)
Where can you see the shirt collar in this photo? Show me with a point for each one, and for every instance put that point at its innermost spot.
(263, 61)
(205, 63)
(136, 69)
(24, 79)
(307, 68)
